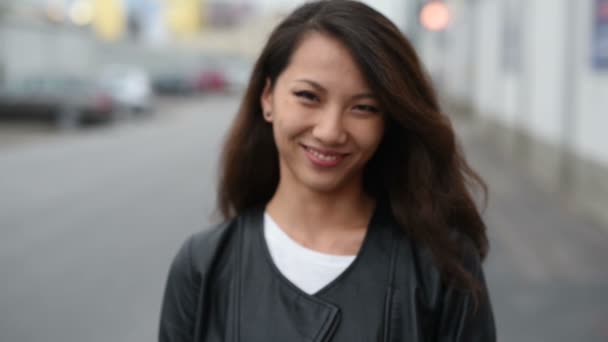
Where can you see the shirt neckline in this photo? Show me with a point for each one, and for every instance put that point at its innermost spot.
(362, 252)
(280, 236)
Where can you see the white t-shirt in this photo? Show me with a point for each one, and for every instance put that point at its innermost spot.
(307, 269)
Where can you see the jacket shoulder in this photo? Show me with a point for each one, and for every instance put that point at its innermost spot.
(462, 314)
(205, 247)
(431, 279)
(191, 267)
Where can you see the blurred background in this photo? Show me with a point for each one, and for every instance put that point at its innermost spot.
(112, 114)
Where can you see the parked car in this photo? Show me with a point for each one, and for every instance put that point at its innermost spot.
(211, 73)
(129, 86)
(174, 83)
(237, 71)
(210, 80)
(227, 73)
(66, 100)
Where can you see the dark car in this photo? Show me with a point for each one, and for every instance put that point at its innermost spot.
(174, 83)
(68, 101)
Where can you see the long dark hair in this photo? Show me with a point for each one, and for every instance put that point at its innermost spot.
(418, 168)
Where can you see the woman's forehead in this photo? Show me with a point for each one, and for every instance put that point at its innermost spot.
(326, 61)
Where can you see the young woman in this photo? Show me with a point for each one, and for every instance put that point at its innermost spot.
(347, 202)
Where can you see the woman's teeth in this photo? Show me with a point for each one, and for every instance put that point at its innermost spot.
(323, 156)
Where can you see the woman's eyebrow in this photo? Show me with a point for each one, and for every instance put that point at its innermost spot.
(312, 83)
(321, 88)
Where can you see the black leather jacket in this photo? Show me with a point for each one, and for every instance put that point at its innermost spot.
(223, 286)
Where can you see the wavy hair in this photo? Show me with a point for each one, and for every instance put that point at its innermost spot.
(418, 168)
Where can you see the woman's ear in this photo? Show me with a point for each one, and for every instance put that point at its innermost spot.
(266, 101)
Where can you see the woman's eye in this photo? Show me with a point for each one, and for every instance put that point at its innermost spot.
(367, 108)
(307, 95)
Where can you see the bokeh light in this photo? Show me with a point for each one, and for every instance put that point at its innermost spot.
(435, 16)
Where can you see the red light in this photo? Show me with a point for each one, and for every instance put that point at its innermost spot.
(604, 10)
(435, 16)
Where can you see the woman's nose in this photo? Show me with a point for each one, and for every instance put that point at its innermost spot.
(329, 128)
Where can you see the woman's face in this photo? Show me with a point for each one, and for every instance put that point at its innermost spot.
(327, 123)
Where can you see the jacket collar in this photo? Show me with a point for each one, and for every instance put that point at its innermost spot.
(267, 293)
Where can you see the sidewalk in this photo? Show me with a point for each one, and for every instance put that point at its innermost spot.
(547, 265)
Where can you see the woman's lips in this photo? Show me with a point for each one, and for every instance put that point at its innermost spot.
(324, 158)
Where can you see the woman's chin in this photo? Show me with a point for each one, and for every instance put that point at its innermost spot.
(325, 185)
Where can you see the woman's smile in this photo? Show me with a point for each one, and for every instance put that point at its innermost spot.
(323, 157)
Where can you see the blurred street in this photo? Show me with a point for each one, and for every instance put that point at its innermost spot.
(91, 219)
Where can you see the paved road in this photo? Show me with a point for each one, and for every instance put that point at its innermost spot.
(89, 222)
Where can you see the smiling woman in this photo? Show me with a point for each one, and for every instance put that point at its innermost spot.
(347, 205)
(325, 121)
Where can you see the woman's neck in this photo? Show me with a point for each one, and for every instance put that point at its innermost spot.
(332, 223)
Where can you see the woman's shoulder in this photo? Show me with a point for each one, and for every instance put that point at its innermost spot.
(468, 254)
(426, 270)
(211, 236)
(201, 250)
(194, 263)
(213, 243)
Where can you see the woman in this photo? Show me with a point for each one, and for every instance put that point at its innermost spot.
(348, 213)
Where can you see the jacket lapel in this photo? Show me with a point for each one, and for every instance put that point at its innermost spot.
(265, 299)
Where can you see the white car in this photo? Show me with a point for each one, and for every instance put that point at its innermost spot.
(129, 86)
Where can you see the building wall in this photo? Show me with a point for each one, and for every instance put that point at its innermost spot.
(32, 48)
(535, 94)
(39, 49)
(592, 101)
(530, 76)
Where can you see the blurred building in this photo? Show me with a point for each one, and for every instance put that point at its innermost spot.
(396, 10)
(536, 73)
(77, 37)
(109, 18)
(184, 17)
